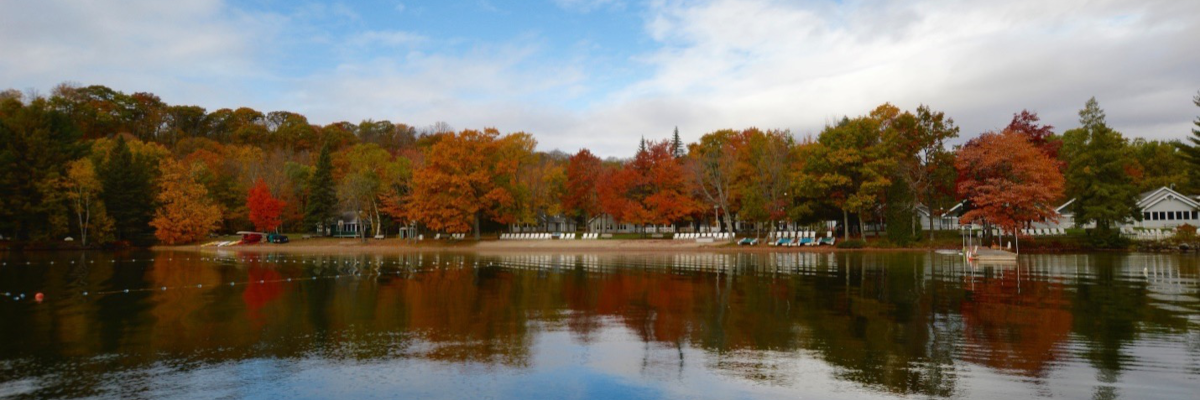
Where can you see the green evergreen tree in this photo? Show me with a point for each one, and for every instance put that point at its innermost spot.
(902, 228)
(1191, 152)
(1096, 158)
(128, 191)
(322, 196)
(36, 144)
(677, 144)
(642, 146)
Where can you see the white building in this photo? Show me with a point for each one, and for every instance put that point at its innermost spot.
(947, 221)
(1163, 208)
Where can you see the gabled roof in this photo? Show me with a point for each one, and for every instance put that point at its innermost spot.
(953, 209)
(1149, 199)
(924, 211)
(1060, 209)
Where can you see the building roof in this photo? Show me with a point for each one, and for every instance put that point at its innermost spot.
(1063, 207)
(1148, 199)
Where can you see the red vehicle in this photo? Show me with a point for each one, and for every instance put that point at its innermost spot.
(250, 237)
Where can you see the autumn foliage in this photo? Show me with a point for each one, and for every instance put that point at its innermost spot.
(1007, 180)
(186, 214)
(581, 196)
(264, 208)
(651, 189)
(99, 165)
(468, 176)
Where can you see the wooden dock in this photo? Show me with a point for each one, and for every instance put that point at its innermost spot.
(995, 256)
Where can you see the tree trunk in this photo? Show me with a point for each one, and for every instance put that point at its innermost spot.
(728, 220)
(845, 225)
(378, 218)
(916, 220)
(476, 225)
(931, 224)
(362, 228)
(862, 227)
(84, 220)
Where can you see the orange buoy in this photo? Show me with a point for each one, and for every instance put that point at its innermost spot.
(39, 297)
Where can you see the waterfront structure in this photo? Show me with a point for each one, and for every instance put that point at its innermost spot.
(1162, 208)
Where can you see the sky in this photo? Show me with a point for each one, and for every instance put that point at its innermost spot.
(601, 74)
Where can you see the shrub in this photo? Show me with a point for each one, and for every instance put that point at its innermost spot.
(1185, 233)
(1107, 239)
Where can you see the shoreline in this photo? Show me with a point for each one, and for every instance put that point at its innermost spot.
(603, 246)
(494, 246)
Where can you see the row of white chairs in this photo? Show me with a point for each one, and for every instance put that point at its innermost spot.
(792, 234)
(448, 236)
(703, 235)
(1044, 232)
(590, 236)
(526, 236)
(1148, 234)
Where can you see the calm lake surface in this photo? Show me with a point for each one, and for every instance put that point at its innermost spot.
(719, 326)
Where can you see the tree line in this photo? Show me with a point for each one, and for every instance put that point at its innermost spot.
(104, 166)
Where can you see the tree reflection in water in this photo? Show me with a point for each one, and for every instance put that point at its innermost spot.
(899, 323)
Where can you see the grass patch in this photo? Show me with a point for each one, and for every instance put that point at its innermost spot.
(852, 244)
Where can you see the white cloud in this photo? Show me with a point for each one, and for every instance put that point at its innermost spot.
(179, 47)
(718, 64)
(738, 63)
(777, 64)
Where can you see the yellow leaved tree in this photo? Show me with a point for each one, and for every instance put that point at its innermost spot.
(186, 213)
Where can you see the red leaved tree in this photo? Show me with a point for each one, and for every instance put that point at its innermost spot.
(613, 185)
(1039, 135)
(1007, 180)
(265, 209)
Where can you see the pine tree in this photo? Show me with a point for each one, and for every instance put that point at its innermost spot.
(1104, 193)
(1191, 152)
(676, 144)
(642, 146)
(322, 197)
(129, 191)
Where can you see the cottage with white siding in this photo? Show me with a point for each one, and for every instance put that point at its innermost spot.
(1163, 208)
(1166, 208)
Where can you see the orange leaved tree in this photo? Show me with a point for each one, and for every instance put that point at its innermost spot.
(581, 197)
(468, 176)
(1007, 181)
(264, 208)
(186, 213)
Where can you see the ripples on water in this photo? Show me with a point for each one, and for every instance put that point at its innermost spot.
(442, 325)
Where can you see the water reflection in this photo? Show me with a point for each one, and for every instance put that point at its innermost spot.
(744, 325)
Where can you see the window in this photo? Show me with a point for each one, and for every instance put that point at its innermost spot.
(1170, 215)
(1146, 215)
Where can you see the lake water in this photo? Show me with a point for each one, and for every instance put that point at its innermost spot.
(680, 326)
